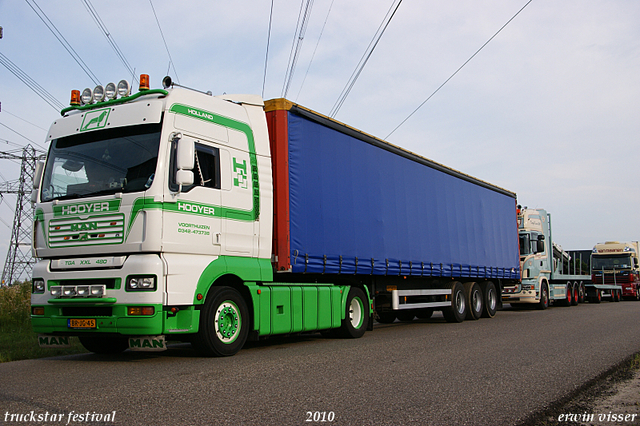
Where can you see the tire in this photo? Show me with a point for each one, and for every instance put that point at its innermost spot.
(458, 309)
(386, 317)
(569, 295)
(224, 323)
(489, 299)
(617, 296)
(406, 316)
(598, 297)
(544, 297)
(356, 317)
(424, 313)
(104, 344)
(576, 296)
(582, 293)
(473, 299)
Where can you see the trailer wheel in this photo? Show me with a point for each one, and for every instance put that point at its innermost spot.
(490, 299)
(617, 297)
(569, 295)
(576, 297)
(458, 309)
(582, 292)
(104, 344)
(356, 317)
(598, 297)
(224, 323)
(544, 297)
(473, 298)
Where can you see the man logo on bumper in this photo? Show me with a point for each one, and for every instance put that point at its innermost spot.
(147, 343)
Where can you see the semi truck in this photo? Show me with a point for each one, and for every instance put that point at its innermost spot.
(616, 263)
(549, 273)
(174, 215)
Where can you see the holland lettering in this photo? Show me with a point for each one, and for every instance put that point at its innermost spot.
(200, 114)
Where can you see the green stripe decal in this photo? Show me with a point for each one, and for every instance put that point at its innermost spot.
(188, 207)
(245, 128)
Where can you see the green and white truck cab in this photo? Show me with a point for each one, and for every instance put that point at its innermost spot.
(154, 210)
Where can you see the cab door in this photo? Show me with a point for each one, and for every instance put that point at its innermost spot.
(192, 221)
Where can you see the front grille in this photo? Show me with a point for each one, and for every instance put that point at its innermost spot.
(609, 279)
(107, 282)
(74, 232)
(87, 311)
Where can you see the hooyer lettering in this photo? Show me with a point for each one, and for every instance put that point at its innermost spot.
(194, 208)
(85, 208)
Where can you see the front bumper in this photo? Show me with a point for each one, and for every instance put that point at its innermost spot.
(110, 312)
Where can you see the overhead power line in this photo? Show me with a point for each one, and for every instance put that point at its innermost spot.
(20, 134)
(63, 41)
(266, 56)
(39, 90)
(171, 64)
(94, 14)
(316, 48)
(456, 72)
(365, 58)
(301, 28)
(22, 119)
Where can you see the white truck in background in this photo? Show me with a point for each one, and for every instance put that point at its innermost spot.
(549, 273)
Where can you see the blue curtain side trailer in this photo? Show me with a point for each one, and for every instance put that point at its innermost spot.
(351, 208)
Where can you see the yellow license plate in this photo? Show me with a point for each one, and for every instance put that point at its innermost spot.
(77, 323)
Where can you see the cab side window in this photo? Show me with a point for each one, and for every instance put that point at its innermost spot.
(206, 168)
(206, 171)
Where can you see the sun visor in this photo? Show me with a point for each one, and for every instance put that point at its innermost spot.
(107, 117)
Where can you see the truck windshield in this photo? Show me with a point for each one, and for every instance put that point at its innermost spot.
(104, 162)
(610, 262)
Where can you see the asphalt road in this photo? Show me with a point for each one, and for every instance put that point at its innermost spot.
(486, 372)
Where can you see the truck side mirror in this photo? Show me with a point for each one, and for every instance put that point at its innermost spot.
(37, 175)
(635, 261)
(540, 246)
(185, 155)
(37, 178)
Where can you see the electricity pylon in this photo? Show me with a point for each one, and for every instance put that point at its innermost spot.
(20, 261)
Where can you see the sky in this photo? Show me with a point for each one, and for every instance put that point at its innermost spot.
(548, 109)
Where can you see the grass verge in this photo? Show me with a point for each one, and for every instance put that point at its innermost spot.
(17, 340)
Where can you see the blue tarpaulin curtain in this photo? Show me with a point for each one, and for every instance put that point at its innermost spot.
(357, 208)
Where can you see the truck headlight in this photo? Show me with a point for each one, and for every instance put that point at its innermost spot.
(141, 283)
(38, 286)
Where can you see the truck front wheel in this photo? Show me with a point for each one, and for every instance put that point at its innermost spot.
(224, 323)
(544, 297)
(458, 309)
(356, 317)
